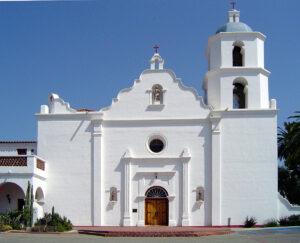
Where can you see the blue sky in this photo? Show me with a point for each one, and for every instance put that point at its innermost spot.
(87, 51)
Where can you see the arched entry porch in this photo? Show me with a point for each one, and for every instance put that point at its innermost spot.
(156, 206)
(11, 197)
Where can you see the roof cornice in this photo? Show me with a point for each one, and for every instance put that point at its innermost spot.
(237, 70)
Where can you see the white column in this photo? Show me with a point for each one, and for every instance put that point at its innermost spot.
(185, 197)
(96, 173)
(141, 211)
(126, 218)
(216, 172)
(172, 221)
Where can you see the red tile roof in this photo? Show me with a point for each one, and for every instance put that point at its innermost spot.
(84, 110)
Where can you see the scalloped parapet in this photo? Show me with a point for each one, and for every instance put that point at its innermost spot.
(56, 105)
(178, 101)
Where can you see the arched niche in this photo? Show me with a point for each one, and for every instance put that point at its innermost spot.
(39, 195)
(157, 94)
(113, 194)
(200, 194)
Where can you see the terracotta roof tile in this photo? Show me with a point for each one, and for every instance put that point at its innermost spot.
(88, 110)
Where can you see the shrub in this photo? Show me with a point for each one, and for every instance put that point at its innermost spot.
(13, 218)
(60, 228)
(250, 222)
(5, 227)
(271, 223)
(54, 219)
(294, 220)
(284, 221)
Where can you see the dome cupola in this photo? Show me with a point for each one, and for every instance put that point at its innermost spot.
(234, 24)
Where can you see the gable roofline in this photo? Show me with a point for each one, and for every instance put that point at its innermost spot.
(176, 80)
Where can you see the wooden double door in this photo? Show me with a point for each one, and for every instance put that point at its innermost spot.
(156, 211)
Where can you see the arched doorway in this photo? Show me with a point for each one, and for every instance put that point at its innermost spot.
(156, 206)
(11, 197)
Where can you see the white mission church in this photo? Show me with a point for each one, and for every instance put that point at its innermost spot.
(160, 154)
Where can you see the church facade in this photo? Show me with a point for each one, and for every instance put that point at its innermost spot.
(160, 154)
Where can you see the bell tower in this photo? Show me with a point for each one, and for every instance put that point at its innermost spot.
(236, 77)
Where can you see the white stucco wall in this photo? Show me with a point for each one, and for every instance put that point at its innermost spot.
(249, 166)
(66, 144)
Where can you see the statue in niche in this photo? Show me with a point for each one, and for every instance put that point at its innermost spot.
(157, 94)
(113, 195)
(200, 194)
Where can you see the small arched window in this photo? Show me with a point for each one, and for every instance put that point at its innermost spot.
(157, 95)
(238, 54)
(239, 94)
(113, 194)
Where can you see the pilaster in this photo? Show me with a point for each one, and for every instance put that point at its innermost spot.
(185, 197)
(127, 194)
(96, 208)
(216, 171)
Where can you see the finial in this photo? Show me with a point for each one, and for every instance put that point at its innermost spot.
(155, 47)
(233, 3)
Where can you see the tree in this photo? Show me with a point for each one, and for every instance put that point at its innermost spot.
(289, 152)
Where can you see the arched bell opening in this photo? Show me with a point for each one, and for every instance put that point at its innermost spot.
(238, 54)
(240, 94)
(12, 197)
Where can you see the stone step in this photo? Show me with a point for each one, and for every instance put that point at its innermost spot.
(154, 234)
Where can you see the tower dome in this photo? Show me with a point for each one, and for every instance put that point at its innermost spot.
(234, 24)
(234, 27)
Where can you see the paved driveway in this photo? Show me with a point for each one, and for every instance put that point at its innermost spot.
(252, 236)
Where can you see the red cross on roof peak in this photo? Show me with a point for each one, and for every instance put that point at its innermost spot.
(155, 47)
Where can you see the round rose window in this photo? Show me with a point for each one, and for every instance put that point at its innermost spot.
(156, 145)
